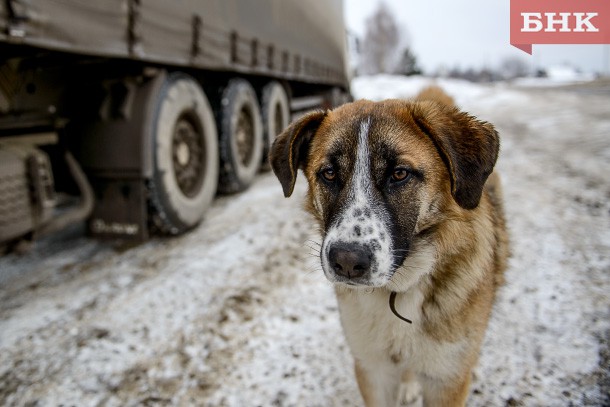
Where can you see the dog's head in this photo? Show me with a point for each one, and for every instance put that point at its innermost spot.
(381, 177)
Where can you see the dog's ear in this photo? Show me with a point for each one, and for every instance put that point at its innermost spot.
(468, 146)
(290, 149)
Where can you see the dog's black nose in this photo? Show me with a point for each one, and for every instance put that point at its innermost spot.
(349, 260)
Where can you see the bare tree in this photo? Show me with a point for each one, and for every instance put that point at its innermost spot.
(381, 40)
(407, 64)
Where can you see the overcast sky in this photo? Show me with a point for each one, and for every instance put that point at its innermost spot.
(470, 33)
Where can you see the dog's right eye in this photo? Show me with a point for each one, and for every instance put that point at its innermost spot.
(329, 174)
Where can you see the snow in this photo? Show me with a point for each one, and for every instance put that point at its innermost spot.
(238, 312)
(557, 75)
(381, 87)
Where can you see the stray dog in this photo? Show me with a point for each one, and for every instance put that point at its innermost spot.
(413, 234)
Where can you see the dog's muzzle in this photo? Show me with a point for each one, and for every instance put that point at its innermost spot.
(357, 248)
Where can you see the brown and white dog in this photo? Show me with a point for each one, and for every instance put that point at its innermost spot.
(407, 209)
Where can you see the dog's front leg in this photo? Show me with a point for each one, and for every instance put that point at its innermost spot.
(378, 385)
(448, 393)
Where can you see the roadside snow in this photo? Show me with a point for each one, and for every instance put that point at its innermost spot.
(238, 313)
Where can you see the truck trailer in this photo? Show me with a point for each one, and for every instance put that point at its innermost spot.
(132, 115)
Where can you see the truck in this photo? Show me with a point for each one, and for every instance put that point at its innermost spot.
(132, 115)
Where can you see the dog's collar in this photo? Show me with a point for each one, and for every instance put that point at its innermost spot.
(393, 307)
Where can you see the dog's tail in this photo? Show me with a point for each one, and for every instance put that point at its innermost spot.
(435, 94)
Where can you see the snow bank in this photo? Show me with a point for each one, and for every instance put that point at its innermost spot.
(466, 94)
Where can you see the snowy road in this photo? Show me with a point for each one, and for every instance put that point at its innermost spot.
(238, 313)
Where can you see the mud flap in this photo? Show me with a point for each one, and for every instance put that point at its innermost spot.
(120, 210)
(115, 151)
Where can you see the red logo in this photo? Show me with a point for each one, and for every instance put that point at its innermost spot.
(559, 22)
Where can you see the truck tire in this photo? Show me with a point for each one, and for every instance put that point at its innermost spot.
(241, 136)
(185, 156)
(276, 116)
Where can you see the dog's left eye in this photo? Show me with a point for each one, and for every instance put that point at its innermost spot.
(400, 175)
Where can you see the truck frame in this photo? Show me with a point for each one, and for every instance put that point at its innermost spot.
(132, 115)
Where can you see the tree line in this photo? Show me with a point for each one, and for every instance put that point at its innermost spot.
(385, 48)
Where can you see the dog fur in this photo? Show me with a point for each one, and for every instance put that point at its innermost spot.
(406, 202)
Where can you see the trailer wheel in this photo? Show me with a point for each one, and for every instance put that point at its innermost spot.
(185, 159)
(241, 136)
(276, 116)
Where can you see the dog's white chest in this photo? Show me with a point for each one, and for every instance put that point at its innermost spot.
(379, 338)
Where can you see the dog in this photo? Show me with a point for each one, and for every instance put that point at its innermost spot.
(413, 235)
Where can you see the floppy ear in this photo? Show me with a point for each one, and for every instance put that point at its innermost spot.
(469, 148)
(290, 149)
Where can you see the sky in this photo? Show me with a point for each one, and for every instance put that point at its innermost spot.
(470, 33)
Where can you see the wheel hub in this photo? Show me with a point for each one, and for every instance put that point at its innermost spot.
(187, 154)
(183, 153)
(244, 136)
